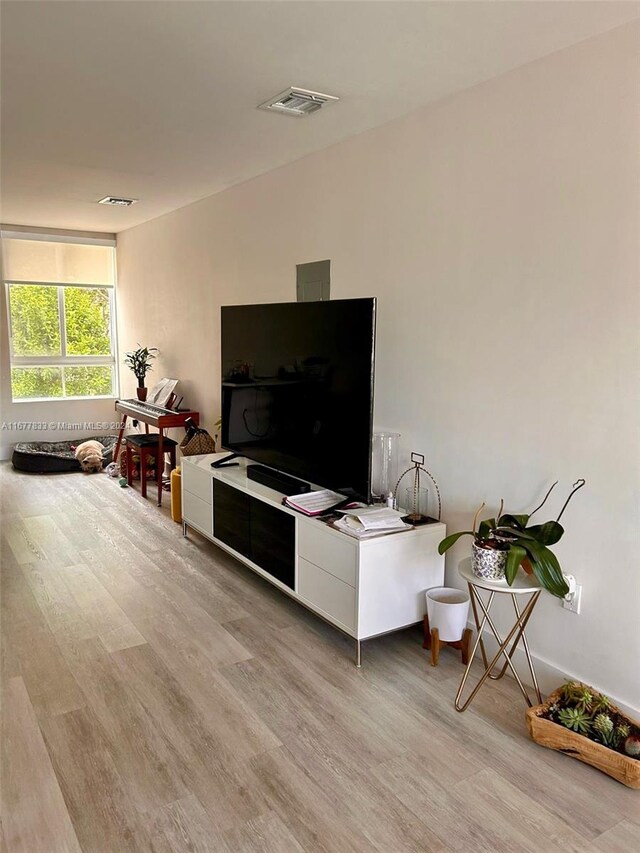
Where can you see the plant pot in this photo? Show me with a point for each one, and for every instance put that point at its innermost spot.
(621, 767)
(447, 610)
(488, 563)
(142, 394)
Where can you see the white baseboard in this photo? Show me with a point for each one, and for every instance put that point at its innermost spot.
(548, 675)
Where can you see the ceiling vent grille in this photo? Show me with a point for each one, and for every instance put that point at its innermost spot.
(118, 202)
(297, 102)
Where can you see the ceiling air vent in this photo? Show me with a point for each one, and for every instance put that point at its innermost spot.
(119, 202)
(297, 102)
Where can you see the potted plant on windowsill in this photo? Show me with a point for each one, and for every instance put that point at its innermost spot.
(503, 544)
(584, 724)
(139, 361)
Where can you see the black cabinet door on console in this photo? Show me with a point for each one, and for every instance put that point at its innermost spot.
(273, 534)
(231, 523)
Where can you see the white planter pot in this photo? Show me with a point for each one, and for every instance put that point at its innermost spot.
(447, 610)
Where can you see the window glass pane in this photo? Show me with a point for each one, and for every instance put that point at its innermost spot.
(68, 263)
(88, 321)
(88, 381)
(35, 320)
(27, 382)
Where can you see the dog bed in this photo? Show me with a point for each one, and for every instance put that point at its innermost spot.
(45, 457)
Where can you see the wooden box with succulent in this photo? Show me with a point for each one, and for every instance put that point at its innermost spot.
(585, 724)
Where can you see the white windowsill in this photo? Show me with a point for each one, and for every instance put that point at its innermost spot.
(64, 399)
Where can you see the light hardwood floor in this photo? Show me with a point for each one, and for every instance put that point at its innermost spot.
(158, 696)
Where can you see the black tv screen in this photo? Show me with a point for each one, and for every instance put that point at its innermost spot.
(297, 389)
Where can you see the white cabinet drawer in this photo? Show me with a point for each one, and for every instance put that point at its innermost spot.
(197, 481)
(197, 512)
(327, 593)
(336, 555)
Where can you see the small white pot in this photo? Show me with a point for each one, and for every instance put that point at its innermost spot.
(447, 610)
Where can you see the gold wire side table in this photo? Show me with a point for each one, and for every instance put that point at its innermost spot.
(523, 585)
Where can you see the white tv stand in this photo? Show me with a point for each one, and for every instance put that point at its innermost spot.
(364, 588)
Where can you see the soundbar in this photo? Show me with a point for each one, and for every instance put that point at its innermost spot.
(275, 480)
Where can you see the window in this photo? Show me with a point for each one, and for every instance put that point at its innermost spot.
(62, 332)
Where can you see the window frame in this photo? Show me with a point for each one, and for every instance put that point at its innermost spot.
(63, 359)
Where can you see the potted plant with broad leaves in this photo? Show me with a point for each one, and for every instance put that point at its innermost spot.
(505, 543)
(139, 361)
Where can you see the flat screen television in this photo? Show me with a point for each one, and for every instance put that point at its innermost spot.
(297, 389)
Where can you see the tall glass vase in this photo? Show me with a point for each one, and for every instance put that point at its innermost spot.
(384, 465)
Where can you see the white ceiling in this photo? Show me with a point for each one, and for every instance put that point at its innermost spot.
(157, 100)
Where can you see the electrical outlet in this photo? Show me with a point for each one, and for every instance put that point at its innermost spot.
(573, 604)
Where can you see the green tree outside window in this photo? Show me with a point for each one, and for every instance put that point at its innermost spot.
(36, 331)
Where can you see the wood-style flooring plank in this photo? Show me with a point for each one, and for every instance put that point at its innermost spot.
(210, 758)
(192, 633)
(312, 816)
(23, 546)
(106, 617)
(147, 764)
(264, 834)
(621, 838)
(51, 685)
(104, 817)
(50, 540)
(35, 817)
(199, 583)
(512, 818)
(185, 827)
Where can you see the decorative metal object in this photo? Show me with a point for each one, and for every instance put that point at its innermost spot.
(488, 563)
(416, 514)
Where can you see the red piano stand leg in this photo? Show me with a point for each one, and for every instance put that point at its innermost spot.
(116, 450)
(160, 465)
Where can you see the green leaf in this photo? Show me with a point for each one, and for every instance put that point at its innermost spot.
(448, 541)
(512, 533)
(485, 527)
(515, 556)
(517, 521)
(548, 533)
(546, 568)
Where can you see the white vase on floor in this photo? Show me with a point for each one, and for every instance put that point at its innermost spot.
(447, 609)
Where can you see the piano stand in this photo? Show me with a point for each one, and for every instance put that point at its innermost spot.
(155, 416)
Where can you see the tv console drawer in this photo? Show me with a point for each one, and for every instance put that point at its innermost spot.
(320, 547)
(326, 592)
(197, 512)
(197, 481)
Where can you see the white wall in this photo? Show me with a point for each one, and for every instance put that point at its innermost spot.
(499, 230)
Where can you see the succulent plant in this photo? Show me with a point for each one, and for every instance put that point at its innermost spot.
(600, 703)
(573, 693)
(575, 719)
(603, 726)
(584, 698)
(632, 746)
(623, 730)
